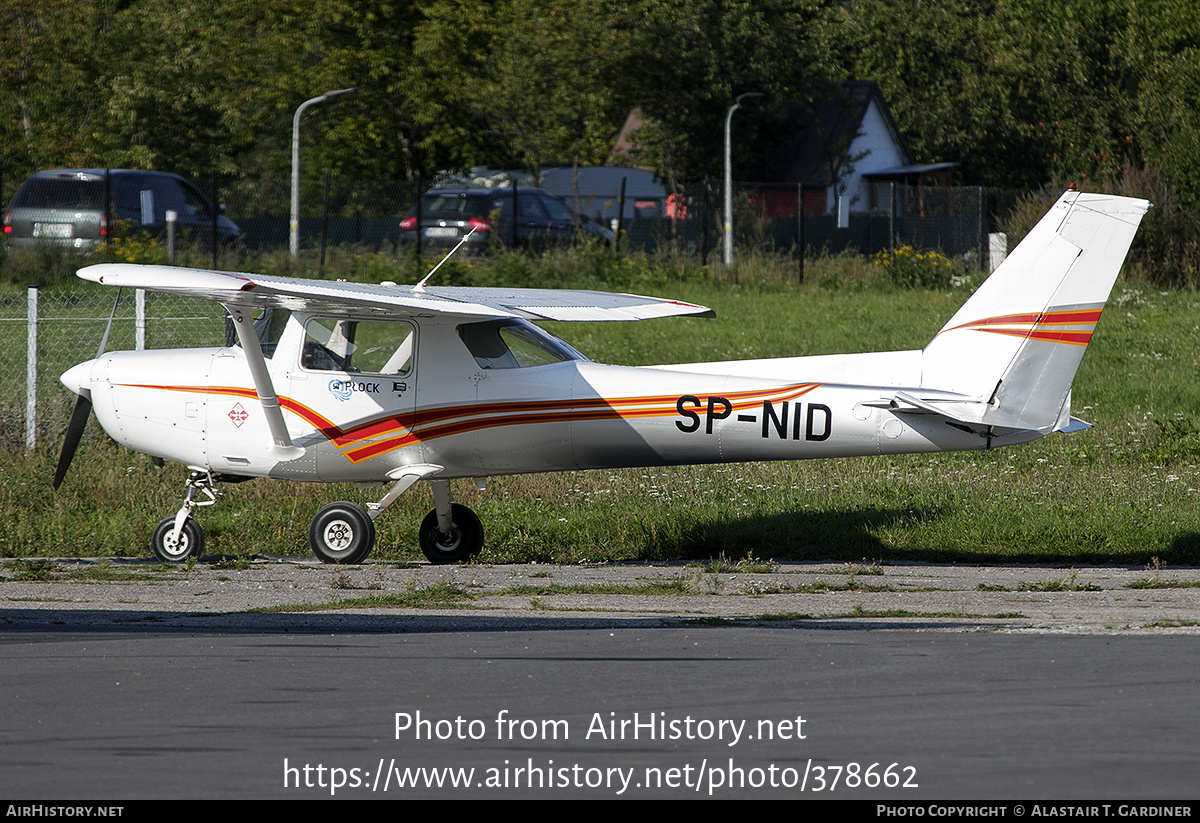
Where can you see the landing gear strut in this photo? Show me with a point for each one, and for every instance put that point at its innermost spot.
(177, 538)
(341, 532)
(462, 542)
(451, 533)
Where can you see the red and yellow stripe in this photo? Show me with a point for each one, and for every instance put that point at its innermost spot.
(381, 435)
(1072, 326)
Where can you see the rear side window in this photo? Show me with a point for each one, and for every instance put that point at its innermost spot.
(557, 210)
(530, 208)
(60, 193)
(513, 344)
(456, 207)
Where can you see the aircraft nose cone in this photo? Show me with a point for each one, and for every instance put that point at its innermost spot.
(78, 378)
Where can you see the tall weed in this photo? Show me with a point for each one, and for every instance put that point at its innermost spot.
(1166, 249)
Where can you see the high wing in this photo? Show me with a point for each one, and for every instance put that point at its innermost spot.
(241, 294)
(358, 299)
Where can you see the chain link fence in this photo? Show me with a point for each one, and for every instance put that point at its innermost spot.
(47, 332)
(366, 214)
(954, 221)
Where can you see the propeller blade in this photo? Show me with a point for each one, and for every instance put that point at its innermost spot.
(82, 410)
(79, 418)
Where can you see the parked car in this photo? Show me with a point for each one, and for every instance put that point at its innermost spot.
(448, 214)
(66, 206)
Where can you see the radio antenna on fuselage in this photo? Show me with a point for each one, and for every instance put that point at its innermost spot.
(421, 286)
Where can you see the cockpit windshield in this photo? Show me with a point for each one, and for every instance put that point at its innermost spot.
(269, 328)
(513, 344)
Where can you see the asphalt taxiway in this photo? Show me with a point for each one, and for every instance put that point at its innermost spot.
(123, 680)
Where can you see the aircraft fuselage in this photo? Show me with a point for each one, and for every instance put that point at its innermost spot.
(199, 407)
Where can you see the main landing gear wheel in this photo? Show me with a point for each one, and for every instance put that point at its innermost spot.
(341, 533)
(189, 544)
(464, 541)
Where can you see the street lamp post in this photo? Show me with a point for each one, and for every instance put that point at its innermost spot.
(295, 231)
(737, 104)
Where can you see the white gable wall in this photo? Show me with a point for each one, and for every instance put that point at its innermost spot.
(877, 142)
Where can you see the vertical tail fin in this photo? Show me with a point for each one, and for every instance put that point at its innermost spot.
(1018, 341)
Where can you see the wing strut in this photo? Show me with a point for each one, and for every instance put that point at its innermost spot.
(282, 448)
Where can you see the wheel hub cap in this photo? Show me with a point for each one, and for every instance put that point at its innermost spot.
(339, 535)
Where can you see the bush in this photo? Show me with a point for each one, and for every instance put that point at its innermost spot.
(130, 246)
(41, 264)
(1166, 249)
(911, 269)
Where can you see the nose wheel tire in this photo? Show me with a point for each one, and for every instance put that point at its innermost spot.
(464, 541)
(189, 544)
(341, 533)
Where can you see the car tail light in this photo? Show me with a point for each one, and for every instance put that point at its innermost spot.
(104, 226)
(478, 225)
(8, 222)
(408, 224)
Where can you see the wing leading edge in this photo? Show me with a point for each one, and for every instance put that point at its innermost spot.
(357, 299)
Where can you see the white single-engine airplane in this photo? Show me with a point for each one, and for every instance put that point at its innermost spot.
(395, 384)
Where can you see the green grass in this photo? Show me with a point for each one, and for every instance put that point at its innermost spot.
(649, 587)
(1124, 492)
(1163, 584)
(435, 596)
(747, 565)
(37, 571)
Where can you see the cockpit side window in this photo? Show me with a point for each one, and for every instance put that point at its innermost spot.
(513, 344)
(358, 346)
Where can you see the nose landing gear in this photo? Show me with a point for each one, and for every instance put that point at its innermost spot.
(177, 538)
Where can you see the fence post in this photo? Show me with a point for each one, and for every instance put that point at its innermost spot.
(515, 204)
(108, 223)
(215, 208)
(420, 231)
(172, 218)
(620, 217)
(324, 225)
(800, 228)
(982, 235)
(139, 321)
(892, 219)
(31, 368)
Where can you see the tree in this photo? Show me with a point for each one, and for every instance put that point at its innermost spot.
(169, 101)
(48, 53)
(696, 56)
(523, 82)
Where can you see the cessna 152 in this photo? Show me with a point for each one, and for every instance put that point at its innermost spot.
(385, 383)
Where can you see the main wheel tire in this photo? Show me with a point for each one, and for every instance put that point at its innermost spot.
(341, 533)
(465, 540)
(189, 544)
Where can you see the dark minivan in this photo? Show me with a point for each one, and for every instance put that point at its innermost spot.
(449, 214)
(67, 207)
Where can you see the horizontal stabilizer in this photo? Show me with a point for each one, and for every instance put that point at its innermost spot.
(960, 412)
(966, 415)
(1075, 425)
